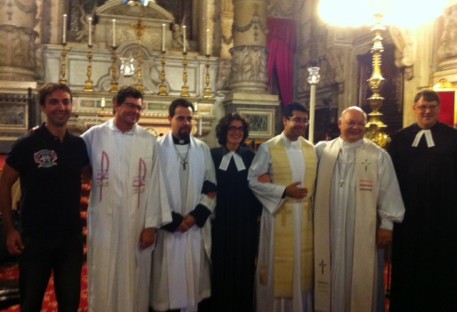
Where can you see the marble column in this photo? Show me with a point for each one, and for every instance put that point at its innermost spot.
(17, 48)
(249, 54)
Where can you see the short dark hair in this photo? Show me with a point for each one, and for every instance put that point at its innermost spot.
(179, 102)
(428, 95)
(288, 110)
(126, 92)
(49, 88)
(224, 124)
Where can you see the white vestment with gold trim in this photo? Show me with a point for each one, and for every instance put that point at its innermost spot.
(356, 186)
(270, 195)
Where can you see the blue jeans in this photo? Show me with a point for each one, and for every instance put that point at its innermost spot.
(41, 257)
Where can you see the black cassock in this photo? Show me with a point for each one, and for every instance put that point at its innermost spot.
(424, 257)
(234, 236)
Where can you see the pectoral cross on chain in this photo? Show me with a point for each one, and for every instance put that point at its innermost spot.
(184, 163)
(322, 265)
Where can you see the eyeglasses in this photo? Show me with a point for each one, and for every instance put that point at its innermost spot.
(423, 108)
(299, 120)
(233, 129)
(134, 106)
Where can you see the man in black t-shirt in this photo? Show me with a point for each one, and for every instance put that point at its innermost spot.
(49, 162)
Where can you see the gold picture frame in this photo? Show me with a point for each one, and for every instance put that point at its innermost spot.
(261, 122)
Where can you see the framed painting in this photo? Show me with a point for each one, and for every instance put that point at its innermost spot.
(260, 121)
(13, 116)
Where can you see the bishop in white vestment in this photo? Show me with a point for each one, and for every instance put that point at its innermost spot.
(357, 201)
(181, 260)
(284, 266)
(127, 202)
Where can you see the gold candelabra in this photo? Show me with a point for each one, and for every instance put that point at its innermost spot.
(184, 88)
(207, 92)
(140, 29)
(114, 72)
(375, 127)
(63, 64)
(89, 84)
(163, 90)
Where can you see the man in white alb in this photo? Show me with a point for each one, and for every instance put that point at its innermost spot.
(357, 201)
(180, 266)
(284, 274)
(127, 204)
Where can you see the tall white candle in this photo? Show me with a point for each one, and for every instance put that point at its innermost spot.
(200, 126)
(90, 30)
(64, 29)
(163, 37)
(102, 104)
(114, 32)
(184, 40)
(207, 42)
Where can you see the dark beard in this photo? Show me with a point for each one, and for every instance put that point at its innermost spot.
(184, 133)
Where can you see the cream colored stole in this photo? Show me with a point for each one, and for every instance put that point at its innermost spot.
(364, 256)
(284, 221)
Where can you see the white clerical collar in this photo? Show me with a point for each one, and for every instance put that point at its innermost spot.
(291, 144)
(226, 161)
(428, 138)
(348, 145)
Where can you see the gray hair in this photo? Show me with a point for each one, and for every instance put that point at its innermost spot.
(354, 108)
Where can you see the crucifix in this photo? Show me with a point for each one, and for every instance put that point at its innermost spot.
(184, 163)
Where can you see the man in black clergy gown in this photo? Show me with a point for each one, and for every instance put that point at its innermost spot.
(424, 259)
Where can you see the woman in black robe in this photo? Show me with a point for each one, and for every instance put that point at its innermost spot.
(235, 223)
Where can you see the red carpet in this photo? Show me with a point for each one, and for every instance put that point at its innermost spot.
(49, 301)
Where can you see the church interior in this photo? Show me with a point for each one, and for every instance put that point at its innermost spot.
(250, 57)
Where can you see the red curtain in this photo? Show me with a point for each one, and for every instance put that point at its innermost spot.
(281, 49)
(447, 107)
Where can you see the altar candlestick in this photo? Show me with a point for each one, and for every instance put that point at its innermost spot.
(90, 31)
(163, 37)
(184, 40)
(64, 29)
(207, 42)
(114, 32)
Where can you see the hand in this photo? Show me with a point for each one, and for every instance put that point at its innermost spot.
(211, 195)
(14, 243)
(264, 178)
(187, 223)
(147, 237)
(383, 238)
(294, 191)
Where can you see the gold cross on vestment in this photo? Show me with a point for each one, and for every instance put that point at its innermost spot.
(366, 163)
(322, 265)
